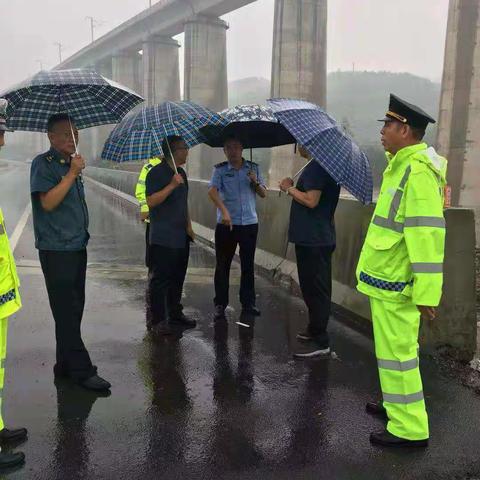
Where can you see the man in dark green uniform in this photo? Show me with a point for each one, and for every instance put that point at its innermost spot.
(60, 219)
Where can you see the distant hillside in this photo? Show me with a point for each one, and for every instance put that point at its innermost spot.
(360, 98)
(248, 90)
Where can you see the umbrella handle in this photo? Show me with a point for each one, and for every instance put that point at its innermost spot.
(302, 169)
(170, 151)
(73, 136)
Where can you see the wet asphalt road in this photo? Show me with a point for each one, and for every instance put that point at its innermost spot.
(221, 402)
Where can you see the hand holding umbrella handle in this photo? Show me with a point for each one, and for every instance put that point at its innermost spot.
(298, 173)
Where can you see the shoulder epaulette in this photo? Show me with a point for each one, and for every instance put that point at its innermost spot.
(222, 164)
(148, 166)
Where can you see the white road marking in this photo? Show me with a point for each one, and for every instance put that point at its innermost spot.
(17, 233)
(242, 324)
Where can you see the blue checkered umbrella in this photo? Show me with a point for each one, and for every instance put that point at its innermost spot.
(86, 96)
(327, 143)
(254, 125)
(140, 134)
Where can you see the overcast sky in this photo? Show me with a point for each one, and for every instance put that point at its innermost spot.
(394, 35)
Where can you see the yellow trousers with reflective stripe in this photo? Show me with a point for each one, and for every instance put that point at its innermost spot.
(395, 329)
(3, 355)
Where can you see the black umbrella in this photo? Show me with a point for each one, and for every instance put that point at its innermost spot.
(254, 125)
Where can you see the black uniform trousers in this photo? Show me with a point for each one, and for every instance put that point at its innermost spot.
(226, 242)
(168, 268)
(65, 274)
(148, 308)
(314, 266)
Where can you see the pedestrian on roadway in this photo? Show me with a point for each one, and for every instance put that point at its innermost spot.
(170, 235)
(400, 269)
(60, 220)
(140, 193)
(10, 303)
(234, 187)
(312, 230)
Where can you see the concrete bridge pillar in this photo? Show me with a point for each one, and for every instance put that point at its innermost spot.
(459, 119)
(299, 65)
(205, 79)
(126, 70)
(206, 62)
(161, 76)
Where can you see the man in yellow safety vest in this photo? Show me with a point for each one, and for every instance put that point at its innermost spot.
(140, 194)
(400, 269)
(10, 302)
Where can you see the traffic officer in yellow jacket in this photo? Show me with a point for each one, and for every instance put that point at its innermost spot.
(400, 269)
(142, 200)
(140, 193)
(10, 302)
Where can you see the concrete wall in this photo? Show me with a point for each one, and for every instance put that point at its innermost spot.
(455, 329)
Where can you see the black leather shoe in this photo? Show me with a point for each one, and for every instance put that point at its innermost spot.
(251, 310)
(384, 438)
(95, 383)
(219, 312)
(375, 408)
(183, 321)
(13, 435)
(10, 460)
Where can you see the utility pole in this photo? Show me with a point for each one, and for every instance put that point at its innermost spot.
(40, 63)
(92, 26)
(60, 46)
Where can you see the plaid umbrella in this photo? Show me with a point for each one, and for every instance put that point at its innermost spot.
(327, 143)
(86, 96)
(140, 134)
(254, 125)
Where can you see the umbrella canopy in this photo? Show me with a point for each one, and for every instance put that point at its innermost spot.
(140, 134)
(254, 125)
(327, 143)
(86, 96)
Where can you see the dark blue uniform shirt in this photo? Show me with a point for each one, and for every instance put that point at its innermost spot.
(66, 227)
(168, 221)
(315, 227)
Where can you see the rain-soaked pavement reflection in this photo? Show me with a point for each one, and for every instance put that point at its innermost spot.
(223, 401)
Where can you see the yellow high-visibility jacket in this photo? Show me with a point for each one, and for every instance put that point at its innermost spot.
(140, 192)
(402, 257)
(10, 300)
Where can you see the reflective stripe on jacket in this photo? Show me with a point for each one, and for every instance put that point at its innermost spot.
(10, 300)
(140, 191)
(402, 257)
